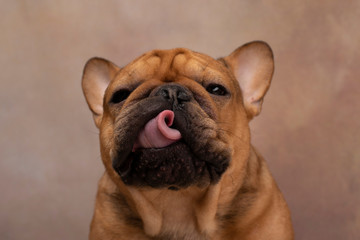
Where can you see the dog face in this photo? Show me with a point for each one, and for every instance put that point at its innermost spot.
(176, 118)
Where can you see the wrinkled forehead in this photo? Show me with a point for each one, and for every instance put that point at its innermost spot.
(169, 65)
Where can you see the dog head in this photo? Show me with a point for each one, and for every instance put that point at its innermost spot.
(175, 118)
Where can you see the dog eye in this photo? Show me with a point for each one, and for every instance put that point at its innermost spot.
(120, 96)
(217, 89)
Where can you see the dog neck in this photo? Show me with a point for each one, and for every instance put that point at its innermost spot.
(187, 210)
(193, 210)
(191, 213)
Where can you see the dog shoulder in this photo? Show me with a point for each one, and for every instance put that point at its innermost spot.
(113, 218)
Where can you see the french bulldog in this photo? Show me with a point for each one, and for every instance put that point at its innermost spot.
(175, 143)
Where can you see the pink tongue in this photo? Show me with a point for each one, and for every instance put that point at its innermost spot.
(157, 132)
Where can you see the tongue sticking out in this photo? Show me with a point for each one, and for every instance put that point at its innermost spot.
(157, 132)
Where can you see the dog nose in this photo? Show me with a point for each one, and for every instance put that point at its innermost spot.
(174, 93)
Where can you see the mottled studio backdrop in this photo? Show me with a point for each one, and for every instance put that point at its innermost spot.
(309, 130)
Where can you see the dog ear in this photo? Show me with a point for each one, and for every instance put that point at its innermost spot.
(97, 75)
(253, 67)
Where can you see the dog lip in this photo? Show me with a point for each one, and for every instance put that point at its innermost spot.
(125, 168)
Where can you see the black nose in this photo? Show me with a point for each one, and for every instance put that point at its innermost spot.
(174, 93)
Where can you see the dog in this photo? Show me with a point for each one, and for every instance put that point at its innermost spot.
(175, 143)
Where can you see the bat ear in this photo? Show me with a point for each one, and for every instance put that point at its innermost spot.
(252, 65)
(97, 75)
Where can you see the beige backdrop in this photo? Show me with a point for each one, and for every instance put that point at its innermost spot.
(309, 130)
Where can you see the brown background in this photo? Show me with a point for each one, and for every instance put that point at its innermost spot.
(309, 130)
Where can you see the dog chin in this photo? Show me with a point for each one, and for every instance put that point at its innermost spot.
(173, 167)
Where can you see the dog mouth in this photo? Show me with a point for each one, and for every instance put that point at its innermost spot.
(158, 149)
(157, 133)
